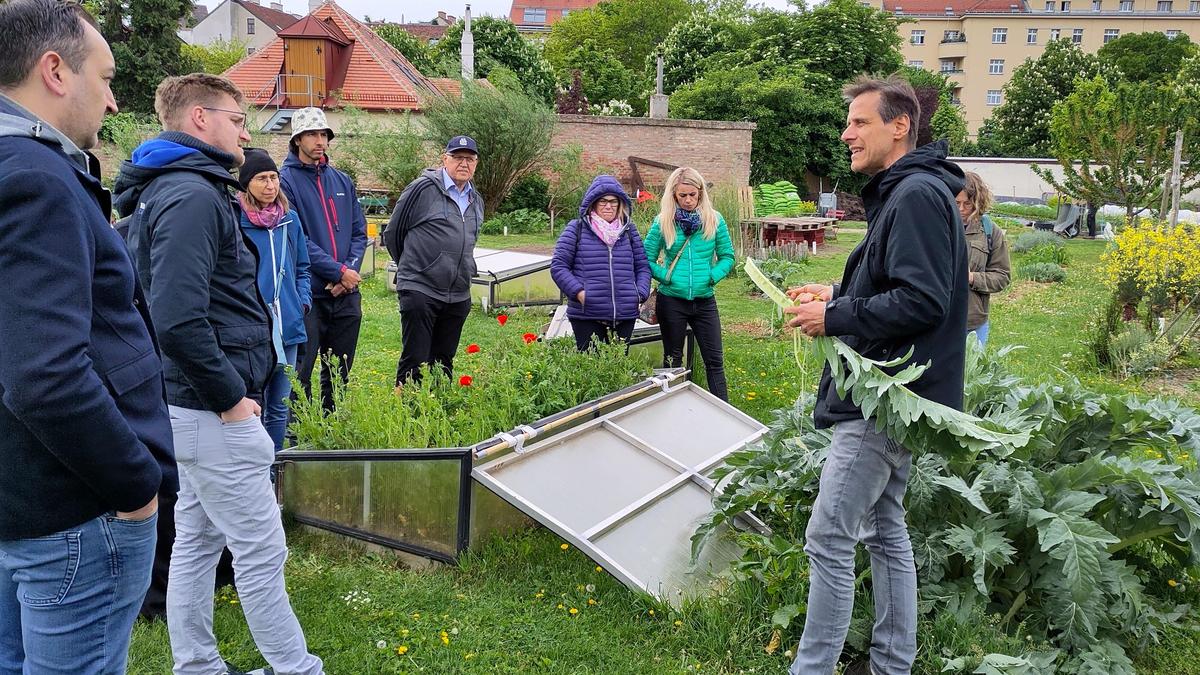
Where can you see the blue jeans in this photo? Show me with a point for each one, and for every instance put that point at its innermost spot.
(861, 499)
(68, 600)
(275, 398)
(981, 333)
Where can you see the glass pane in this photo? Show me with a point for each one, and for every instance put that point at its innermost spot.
(493, 517)
(711, 427)
(585, 478)
(331, 491)
(655, 545)
(533, 287)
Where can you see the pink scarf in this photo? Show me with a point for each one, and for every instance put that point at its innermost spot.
(266, 218)
(608, 232)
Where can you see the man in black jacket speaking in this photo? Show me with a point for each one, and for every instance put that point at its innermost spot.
(904, 287)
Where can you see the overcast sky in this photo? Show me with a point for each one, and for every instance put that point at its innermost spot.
(422, 10)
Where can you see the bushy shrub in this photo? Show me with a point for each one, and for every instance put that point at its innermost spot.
(1042, 271)
(1031, 240)
(531, 192)
(521, 221)
(1046, 253)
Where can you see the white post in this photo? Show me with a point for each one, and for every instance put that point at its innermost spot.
(1176, 178)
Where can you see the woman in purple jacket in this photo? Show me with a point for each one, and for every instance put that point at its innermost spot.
(601, 266)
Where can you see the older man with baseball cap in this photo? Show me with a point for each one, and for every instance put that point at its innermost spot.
(336, 230)
(432, 237)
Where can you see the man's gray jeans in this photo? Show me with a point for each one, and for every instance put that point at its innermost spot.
(225, 499)
(861, 498)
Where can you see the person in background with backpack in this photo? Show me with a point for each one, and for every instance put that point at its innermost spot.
(693, 241)
(431, 236)
(600, 265)
(987, 253)
(336, 230)
(283, 278)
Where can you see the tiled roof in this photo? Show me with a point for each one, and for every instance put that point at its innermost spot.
(377, 78)
(957, 7)
(274, 18)
(424, 31)
(312, 27)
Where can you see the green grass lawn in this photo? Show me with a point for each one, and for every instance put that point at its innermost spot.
(507, 607)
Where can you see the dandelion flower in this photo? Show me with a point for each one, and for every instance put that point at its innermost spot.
(416, 615)
(599, 568)
(573, 611)
(560, 606)
(445, 638)
(402, 650)
(651, 612)
(591, 601)
(590, 588)
(565, 546)
(1172, 583)
(382, 644)
(678, 623)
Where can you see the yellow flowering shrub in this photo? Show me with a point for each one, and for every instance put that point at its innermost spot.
(1155, 260)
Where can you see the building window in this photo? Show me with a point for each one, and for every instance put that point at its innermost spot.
(1055, 33)
(1031, 36)
(1194, 6)
(1172, 34)
(918, 37)
(1126, 6)
(1164, 5)
(1066, 5)
(565, 12)
(948, 66)
(996, 67)
(1096, 5)
(993, 97)
(250, 50)
(1050, 5)
(249, 26)
(535, 15)
(953, 36)
(1077, 36)
(999, 36)
(916, 63)
(1111, 34)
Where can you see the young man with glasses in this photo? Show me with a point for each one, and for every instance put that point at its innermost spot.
(436, 223)
(201, 283)
(336, 230)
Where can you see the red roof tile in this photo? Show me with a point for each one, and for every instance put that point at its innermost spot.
(957, 7)
(377, 78)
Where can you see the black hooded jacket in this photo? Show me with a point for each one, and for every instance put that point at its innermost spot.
(198, 273)
(905, 285)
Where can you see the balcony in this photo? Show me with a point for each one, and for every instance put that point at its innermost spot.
(953, 48)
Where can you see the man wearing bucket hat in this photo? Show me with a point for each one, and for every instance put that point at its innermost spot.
(432, 237)
(336, 230)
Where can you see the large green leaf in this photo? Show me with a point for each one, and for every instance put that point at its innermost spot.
(972, 493)
(1069, 537)
(982, 543)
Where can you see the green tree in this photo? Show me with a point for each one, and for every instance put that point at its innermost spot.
(691, 42)
(604, 78)
(799, 120)
(142, 34)
(413, 49)
(497, 43)
(632, 29)
(216, 57)
(1123, 136)
(391, 152)
(1148, 57)
(1022, 122)
(948, 122)
(513, 131)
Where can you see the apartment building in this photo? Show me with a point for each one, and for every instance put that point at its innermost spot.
(537, 16)
(978, 43)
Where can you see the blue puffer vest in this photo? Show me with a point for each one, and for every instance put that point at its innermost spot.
(614, 280)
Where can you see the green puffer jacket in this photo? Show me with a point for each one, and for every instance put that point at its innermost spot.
(696, 273)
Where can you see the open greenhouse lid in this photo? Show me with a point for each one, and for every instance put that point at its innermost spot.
(630, 488)
(497, 263)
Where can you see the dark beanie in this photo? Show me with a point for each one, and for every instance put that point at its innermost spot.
(257, 161)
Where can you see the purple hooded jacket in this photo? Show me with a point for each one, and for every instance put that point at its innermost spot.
(616, 279)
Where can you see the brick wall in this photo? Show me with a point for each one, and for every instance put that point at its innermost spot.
(718, 150)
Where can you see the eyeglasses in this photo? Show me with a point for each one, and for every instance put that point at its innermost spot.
(610, 201)
(464, 159)
(241, 124)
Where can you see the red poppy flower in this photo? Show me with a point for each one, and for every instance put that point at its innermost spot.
(503, 319)
(643, 196)
(472, 348)
(465, 381)
(529, 337)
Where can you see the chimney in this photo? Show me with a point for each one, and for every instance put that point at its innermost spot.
(468, 48)
(277, 6)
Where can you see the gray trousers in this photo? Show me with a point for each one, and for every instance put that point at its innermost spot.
(225, 499)
(861, 499)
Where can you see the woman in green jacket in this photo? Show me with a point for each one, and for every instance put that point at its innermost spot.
(690, 253)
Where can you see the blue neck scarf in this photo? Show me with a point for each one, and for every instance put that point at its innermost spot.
(687, 221)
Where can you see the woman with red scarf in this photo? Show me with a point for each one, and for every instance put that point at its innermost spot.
(283, 278)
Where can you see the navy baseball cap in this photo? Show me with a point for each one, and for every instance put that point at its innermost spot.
(462, 143)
